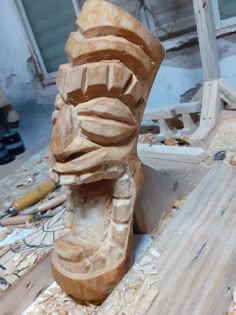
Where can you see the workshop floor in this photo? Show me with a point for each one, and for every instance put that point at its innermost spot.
(35, 130)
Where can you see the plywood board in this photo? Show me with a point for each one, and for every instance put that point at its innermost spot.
(190, 267)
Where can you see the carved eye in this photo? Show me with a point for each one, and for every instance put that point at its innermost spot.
(105, 131)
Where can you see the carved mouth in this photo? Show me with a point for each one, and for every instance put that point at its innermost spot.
(81, 136)
(100, 237)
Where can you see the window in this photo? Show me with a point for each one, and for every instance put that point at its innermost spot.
(166, 19)
(225, 13)
(48, 24)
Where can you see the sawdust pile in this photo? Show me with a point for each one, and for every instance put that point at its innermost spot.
(56, 302)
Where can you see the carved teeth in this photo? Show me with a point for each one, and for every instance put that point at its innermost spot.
(100, 79)
(121, 210)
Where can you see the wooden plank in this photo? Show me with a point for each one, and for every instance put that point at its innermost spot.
(171, 153)
(188, 108)
(162, 113)
(196, 250)
(207, 39)
(22, 293)
(172, 110)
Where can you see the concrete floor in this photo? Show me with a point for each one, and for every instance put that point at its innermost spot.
(35, 130)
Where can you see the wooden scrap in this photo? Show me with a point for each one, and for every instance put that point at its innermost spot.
(171, 141)
(171, 153)
(55, 301)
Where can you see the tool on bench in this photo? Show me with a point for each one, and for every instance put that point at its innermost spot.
(44, 206)
(30, 198)
(23, 219)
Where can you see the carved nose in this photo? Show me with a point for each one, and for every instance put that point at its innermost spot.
(67, 140)
(65, 130)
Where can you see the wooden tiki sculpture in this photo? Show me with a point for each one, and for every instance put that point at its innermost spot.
(113, 61)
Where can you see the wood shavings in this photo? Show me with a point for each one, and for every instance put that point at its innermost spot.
(233, 160)
(117, 297)
(20, 262)
(143, 299)
(4, 234)
(55, 301)
(149, 138)
(170, 141)
(28, 261)
(5, 249)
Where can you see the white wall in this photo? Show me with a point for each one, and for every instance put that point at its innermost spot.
(17, 74)
(180, 71)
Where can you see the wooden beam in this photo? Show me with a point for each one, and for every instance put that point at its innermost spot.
(188, 108)
(211, 108)
(161, 113)
(171, 153)
(187, 269)
(24, 291)
(207, 39)
(171, 111)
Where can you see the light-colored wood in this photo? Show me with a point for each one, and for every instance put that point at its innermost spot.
(162, 113)
(20, 295)
(207, 39)
(113, 63)
(171, 153)
(172, 110)
(164, 116)
(189, 248)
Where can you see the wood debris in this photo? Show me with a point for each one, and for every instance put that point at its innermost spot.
(55, 301)
(171, 141)
(233, 160)
(150, 138)
(4, 234)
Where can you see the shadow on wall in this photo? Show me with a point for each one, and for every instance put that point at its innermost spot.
(35, 124)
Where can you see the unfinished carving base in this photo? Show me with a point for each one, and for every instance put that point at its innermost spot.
(103, 91)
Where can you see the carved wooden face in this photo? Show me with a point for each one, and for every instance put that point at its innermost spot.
(103, 89)
(96, 130)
